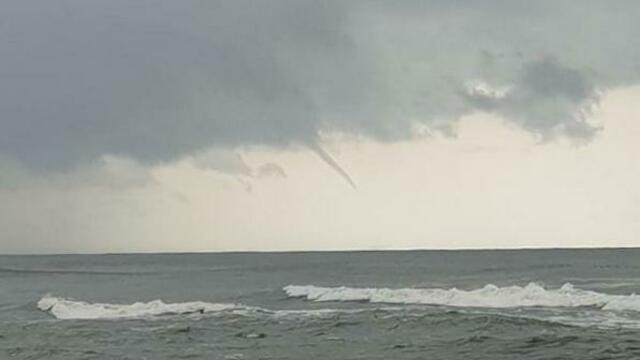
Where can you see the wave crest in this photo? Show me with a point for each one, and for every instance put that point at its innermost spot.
(63, 308)
(490, 296)
(67, 309)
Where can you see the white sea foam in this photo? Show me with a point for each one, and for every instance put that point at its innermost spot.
(63, 308)
(624, 303)
(68, 309)
(490, 296)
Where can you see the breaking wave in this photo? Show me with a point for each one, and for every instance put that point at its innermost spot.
(63, 308)
(67, 309)
(490, 296)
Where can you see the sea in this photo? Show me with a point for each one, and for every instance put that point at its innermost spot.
(481, 304)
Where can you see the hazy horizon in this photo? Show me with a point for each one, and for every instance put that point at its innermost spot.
(329, 251)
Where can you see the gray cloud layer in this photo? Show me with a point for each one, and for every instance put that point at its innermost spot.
(156, 80)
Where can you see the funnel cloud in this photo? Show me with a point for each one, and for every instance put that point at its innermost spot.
(327, 158)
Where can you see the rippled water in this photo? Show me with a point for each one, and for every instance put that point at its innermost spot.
(551, 304)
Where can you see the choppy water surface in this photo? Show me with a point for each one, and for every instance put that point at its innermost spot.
(545, 304)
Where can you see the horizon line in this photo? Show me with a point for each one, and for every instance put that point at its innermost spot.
(290, 251)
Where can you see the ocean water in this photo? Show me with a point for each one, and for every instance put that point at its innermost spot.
(524, 304)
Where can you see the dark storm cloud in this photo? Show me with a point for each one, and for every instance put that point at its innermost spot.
(155, 80)
(548, 99)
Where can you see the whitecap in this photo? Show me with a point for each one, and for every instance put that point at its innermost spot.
(63, 308)
(489, 296)
(70, 309)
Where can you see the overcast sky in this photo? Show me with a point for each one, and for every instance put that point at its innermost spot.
(301, 125)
